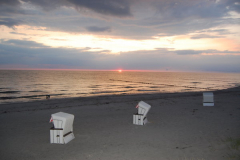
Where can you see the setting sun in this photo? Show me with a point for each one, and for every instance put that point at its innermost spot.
(119, 70)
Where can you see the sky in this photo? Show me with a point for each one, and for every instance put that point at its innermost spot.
(150, 35)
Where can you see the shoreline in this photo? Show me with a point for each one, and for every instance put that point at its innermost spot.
(106, 98)
(179, 128)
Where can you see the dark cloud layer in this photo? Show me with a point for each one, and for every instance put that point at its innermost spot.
(98, 29)
(9, 2)
(107, 7)
(211, 51)
(23, 43)
(166, 17)
(197, 8)
(18, 52)
(200, 36)
(10, 22)
(167, 8)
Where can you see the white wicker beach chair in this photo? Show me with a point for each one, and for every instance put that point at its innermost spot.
(208, 99)
(62, 130)
(140, 118)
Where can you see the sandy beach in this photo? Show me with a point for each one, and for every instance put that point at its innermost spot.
(179, 128)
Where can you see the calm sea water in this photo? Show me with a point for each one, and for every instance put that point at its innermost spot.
(21, 86)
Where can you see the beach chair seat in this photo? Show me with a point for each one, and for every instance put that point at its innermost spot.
(140, 118)
(62, 130)
(208, 99)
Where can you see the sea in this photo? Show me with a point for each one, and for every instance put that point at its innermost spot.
(33, 85)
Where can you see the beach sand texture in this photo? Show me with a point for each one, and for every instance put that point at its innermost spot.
(179, 128)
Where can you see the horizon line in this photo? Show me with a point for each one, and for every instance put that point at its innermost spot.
(113, 70)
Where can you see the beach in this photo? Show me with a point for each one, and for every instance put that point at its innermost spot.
(179, 128)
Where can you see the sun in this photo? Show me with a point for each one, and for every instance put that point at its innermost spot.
(119, 70)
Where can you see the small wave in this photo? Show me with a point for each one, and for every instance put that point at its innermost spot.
(129, 87)
(115, 85)
(146, 90)
(5, 98)
(102, 92)
(94, 86)
(170, 85)
(186, 89)
(154, 87)
(36, 91)
(81, 93)
(4, 88)
(9, 92)
(35, 98)
(190, 87)
(196, 82)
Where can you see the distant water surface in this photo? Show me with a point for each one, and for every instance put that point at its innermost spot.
(29, 85)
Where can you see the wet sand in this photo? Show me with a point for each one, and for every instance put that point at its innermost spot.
(179, 128)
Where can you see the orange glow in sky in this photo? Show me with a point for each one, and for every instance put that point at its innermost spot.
(116, 46)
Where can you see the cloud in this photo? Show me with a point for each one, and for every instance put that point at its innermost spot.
(23, 43)
(10, 8)
(9, 2)
(233, 5)
(188, 52)
(171, 17)
(210, 51)
(18, 33)
(98, 29)
(168, 8)
(201, 36)
(47, 5)
(212, 33)
(199, 9)
(126, 19)
(10, 22)
(14, 53)
(164, 58)
(106, 7)
(135, 19)
(18, 53)
(219, 31)
(58, 39)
